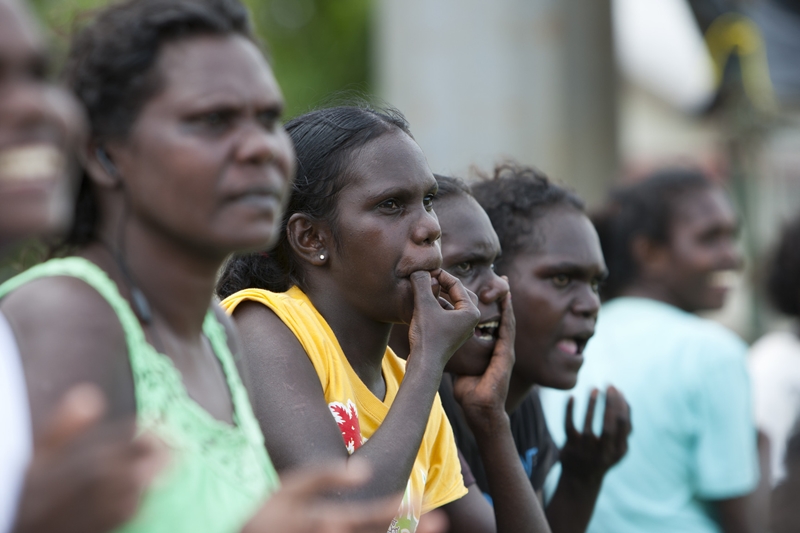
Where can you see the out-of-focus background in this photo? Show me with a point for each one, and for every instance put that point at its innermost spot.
(593, 92)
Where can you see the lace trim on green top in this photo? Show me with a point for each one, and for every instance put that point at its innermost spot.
(234, 453)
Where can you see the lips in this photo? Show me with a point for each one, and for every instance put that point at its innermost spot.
(488, 330)
(574, 345)
(31, 163)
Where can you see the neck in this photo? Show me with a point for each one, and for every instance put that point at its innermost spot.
(362, 339)
(653, 291)
(518, 389)
(177, 281)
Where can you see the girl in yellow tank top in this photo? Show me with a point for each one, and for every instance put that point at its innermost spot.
(359, 251)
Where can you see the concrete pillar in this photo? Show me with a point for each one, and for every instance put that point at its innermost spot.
(482, 80)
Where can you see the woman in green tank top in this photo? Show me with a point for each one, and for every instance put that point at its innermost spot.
(188, 163)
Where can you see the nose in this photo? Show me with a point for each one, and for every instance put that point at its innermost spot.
(587, 302)
(426, 230)
(258, 146)
(30, 109)
(494, 290)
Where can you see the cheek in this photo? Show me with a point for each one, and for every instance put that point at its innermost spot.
(176, 180)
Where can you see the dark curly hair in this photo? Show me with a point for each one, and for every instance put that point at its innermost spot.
(644, 209)
(325, 142)
(111, 69)
(450, 186)
(783, 279)
(515, 197)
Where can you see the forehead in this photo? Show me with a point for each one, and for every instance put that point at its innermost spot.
(208, 67)
(703, 209)
(466, 228)
(564, 234)
(393, 160)
(19, 35)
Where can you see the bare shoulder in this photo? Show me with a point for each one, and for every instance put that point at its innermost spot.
(287, 394)
(258, 322)
(67, 334)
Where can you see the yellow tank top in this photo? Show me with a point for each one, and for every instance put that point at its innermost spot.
(436, 476)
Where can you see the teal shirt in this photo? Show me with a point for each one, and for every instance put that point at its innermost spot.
(219, 474)
(693, 439)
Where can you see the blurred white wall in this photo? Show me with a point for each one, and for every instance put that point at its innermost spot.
(481, 81)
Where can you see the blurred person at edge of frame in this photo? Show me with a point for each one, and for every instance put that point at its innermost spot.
(784, 511)
(76, 467)
(693, 465)
(774, 360)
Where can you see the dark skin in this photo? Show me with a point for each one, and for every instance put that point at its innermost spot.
(34, 115)
(554, 280)
(204, 172)
(682, 272)
(380, 273)
(483, 366)
(702, 243)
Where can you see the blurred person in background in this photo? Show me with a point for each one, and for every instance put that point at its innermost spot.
(670, 245)
(187, 161)
(774, 360)
(79, 477)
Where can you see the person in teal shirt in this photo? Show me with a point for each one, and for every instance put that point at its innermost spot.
(692, 464)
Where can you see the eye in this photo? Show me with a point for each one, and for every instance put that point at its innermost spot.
(391, 204)
(561, 280)
(596, 285)
(428, 202)
(462, 270)
(494, 268)
(269, 119)
(216, 120)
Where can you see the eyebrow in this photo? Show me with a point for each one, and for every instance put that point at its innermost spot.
(482, 252)
(572, 268)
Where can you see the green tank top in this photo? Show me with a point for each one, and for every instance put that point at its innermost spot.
(219, 474)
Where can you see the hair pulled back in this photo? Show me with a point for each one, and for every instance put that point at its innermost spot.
(644, 209)
(783, 279)
(515, 197)
(325, 142)
(111, 69)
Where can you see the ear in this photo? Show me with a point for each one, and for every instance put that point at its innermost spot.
(309, 239)
(651, 257)
(101, 167)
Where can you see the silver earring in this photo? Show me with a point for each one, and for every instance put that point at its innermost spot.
(322, 257)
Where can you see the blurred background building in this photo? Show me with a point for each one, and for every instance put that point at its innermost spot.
(593, 92)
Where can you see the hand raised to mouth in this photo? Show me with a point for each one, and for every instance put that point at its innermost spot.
(440, 326)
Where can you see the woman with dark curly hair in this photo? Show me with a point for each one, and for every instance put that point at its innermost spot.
(775, 358)
(534, 253)
(692, 464)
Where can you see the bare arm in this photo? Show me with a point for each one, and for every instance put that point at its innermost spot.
(84, 476)
(516, 507)
(749, 513)
(68, 335)
(292, 410)
(585, 459)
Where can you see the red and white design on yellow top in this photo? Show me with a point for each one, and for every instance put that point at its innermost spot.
(346, 417)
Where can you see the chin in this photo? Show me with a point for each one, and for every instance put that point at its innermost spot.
(469, 360)
(564, 381)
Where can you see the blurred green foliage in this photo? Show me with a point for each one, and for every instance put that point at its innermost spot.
(317, 47)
